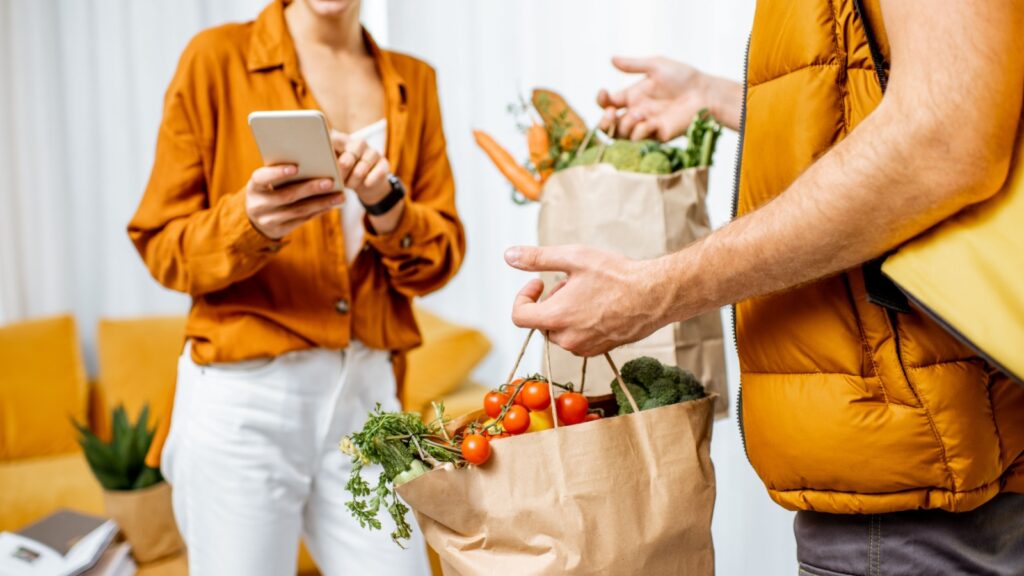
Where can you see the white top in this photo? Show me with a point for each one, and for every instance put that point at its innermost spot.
(352, 210)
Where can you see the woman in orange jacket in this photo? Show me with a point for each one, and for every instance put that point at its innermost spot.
(301, 307)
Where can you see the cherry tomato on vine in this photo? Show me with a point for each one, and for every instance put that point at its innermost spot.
(536, 395)
(493, 403)
(516, 420)
(572, 407)
(491, 428)
(592, 416)
(476, 449)
(512, 389)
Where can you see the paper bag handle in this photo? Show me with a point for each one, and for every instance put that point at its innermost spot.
(547, 373)
(602, 146)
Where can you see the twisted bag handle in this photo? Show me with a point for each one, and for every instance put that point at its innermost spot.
(547, 374)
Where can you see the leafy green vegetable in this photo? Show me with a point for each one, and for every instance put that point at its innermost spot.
(654, 384)
(647, 156)
(400, 443)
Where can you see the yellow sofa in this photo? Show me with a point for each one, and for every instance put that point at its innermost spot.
(43, 386)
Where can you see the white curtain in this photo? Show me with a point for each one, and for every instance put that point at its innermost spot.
(81, 90)
(82, 93)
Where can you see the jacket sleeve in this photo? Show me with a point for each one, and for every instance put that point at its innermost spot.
(188, 244)
(426, 249)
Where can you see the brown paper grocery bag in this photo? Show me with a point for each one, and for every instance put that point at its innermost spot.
(640, 216)
(622, 495)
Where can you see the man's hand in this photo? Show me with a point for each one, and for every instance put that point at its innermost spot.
(605, 302)
(664, 102)
(277, 211)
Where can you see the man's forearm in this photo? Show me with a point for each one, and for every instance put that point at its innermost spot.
(725, 100)
(940, 139)
(887, 182)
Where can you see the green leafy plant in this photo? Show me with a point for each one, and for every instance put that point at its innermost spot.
(121, 463)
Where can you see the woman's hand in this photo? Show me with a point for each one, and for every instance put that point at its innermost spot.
(277, 211)
(366, 172)
(362, 169)
(664, 102)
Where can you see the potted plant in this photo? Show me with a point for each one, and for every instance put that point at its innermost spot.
(135, 495)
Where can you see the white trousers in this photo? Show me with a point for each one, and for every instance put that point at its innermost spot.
(253, 458)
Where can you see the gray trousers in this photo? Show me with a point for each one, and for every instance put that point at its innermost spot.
(986, 541)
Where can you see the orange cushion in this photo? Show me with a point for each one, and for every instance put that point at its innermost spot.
(42, 388)
(33, 488)
(444, 361)
(138, 365)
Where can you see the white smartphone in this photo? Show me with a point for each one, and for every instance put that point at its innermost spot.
(297, 137)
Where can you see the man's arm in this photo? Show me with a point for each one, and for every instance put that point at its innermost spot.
(940, 140)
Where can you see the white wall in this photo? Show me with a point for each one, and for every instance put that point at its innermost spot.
(80, 100)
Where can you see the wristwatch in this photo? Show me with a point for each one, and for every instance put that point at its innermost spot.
(388, 202)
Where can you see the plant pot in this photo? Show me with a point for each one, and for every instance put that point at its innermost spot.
(146, 519)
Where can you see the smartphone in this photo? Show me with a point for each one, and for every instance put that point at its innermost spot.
(297, 137)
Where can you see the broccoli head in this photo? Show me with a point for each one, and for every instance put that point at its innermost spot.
(655, 163)
(654, 384)
(689, 387)
(624, 155)
(639, 394)
(586, 157)
(665, 391)
(643, 371)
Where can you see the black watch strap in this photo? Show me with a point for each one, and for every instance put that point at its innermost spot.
(388, 202)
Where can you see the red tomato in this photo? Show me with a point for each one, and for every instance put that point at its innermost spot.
(536, 395)
(512, 389)
(572, 407)
(493, 403)
(516, 420)
(592, 416)
(476, 449)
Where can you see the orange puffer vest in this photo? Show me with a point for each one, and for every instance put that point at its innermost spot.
(848, 407)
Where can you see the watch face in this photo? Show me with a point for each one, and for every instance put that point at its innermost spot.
(395, 183)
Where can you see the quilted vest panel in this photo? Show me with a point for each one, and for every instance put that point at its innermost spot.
(848, 407)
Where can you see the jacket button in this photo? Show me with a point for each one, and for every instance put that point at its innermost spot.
(341, 306)
(406, 242)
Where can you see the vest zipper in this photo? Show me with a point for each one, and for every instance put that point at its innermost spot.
(735, 209)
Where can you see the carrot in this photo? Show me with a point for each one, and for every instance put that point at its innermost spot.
(540, 150)
(520, 177)
(563, 123)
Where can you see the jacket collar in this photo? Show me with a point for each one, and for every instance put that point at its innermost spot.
(271, 46)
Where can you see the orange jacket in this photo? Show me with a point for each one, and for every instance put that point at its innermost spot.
(846, 407)
(253, 297)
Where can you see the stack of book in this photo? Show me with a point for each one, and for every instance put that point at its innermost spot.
(66, 543)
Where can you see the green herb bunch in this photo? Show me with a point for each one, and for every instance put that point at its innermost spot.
(121, 463)
(403, 446)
